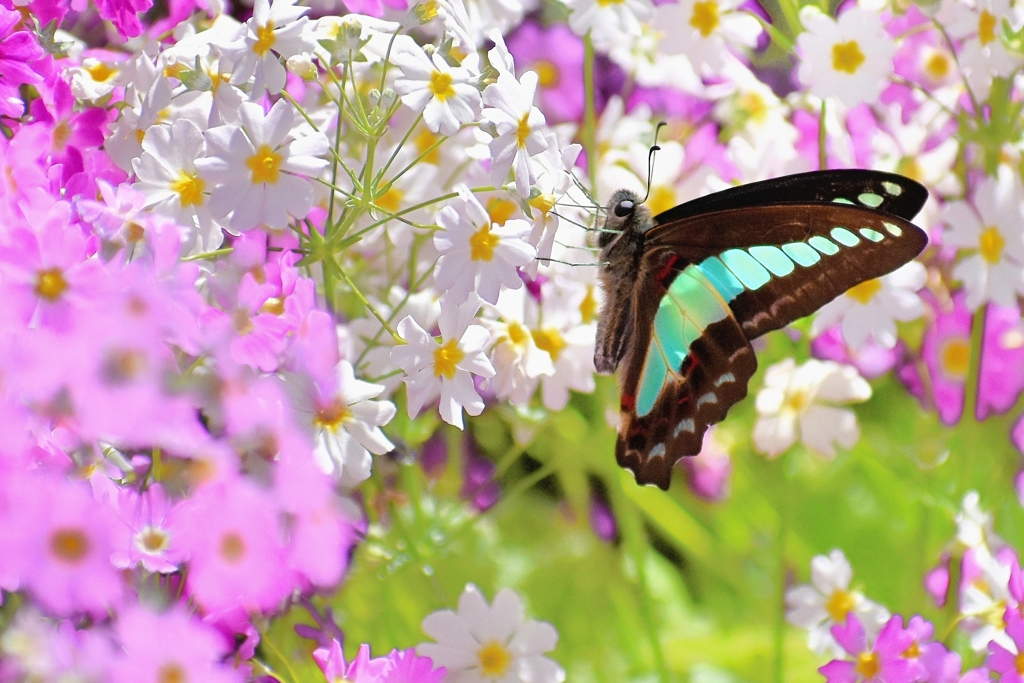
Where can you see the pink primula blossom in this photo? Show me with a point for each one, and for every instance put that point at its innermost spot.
(145, 537)
(879, 662)
(18, 50)
(1005, 661)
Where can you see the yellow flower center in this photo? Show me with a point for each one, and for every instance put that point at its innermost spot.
(500, 210)
(705, 17)
(912, 652)
(61, 135)
(839, 605)
(550, 340)
(265, 164)
(152, 540)
(547, 73)
(423, 141)
(938, 65)
(955, 357)
(100, 72)
(867, 664)
(865, 291)
(987, 27)
(332, 416)
(991, 244)
(517, 334)
(847, 57)
(50, 283)
(523, 131)
(391, 200)
(662, 198)
(69, 545)
(189, 188)
(482, 244)
(273, 306)
(588, 307)
(494, 659)
(608, 3)
(441, 85)
(753, 106)
(543, 202)
(446, 358)
(171, 673)
(265, 39)
(1018, 663)
(909, 167)
(232, 547)
(426, 11)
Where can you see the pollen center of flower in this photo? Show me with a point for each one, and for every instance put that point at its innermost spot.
(938, 65)
(171, 673)
(588, 307)
(265, 39)
(847, 57)
(986, 27)
(1018, 663)
(797, 401)
(100, 72)
(867, 664)
(446, 358)
(441, 85)
(330, 417)
(69, 545)
(61, 135)
(991, 244)
(909, 167)
(50, 283)
(265, 164)
(425, 142)
(912, 652)
(839, 605)
(189, 187)
(753, 105)
(544, 202)
(865, 291)
(608, 3)
(662, 198)
(391, 200)
(232, 547)
(517, 334)
(550, 340)
(955, 357)
(500, 210)
(482, 244)
(547, 73)
(523, 131)
(494, 659)
(273, 306)
(152, 540)
(705, 17)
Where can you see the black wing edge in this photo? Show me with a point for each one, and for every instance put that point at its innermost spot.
(813, 187)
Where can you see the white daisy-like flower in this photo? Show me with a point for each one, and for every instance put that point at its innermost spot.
(275, 30)
(827, 600)
(445, 368)
(984, 602)
(609, 22)
(259, 168)
(483, 643)
(444, 93)
(978, 24)
(566, 331)
(477, 254)
(974, 525)
(517, 360)
(871, 309)
(849, 59)
(801, 403)
(703, 30)
(992, 227)
(517, 126)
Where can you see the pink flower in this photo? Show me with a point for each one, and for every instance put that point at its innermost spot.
(362, 669)
(406, 667)
(17, 50)
(1002, 660)
(123, 14)
(882, 662)
(145, 537)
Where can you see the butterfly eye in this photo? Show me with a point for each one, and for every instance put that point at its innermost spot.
(624, 208)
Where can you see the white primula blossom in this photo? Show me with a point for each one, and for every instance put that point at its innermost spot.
(609, 23)
(801, 403)
(978, 25)
(445, 94)
(992, 227)
(517, 360)
(477, 254)
(483, 643)
(166, 174)
(259, 168)
(347, 426)
(566, 332)
(985, 600)
(517, 126)
(703, 30)
(849, 59)
(554, 180)
(274, 31)
(827, 600)
(444, 369)
(974, 525)
(871, 309)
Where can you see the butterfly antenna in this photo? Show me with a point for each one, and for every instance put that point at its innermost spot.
(564, 245)
(650, 160)
(574, 265)
(576, 223)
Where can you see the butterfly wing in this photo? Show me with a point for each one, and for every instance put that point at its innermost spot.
(709, 283)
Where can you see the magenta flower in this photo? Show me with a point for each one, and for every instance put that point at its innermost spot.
(1002, 360)
(940, 665)
(406, 667)
(602, 519)
(947, 354)
(478, 484)
(362, 669)
(882, 662)
(71, 132)
(708, 473)
(18, 49)
(871, 360)
(145, 537)
(559, 71)
(1010, 665)
(124, 15)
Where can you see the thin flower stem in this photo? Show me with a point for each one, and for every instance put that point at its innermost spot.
(337, 159)
(370, 307)
(394, 154)
(589, 112)
(822, 153)
(269, 645)
(208, 255)
(421, 205)
(972, 388)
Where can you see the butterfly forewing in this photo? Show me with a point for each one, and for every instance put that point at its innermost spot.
(708, 284)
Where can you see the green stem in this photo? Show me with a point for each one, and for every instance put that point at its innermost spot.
(366, 302)
(589, 112)
(209, 254)
(822, 154)
(779, 639)
(974, 369)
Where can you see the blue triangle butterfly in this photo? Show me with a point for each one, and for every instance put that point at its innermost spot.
(686, 291)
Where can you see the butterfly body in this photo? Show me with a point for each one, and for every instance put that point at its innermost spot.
(686, 291)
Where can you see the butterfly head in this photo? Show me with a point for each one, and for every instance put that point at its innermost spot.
(625, 215)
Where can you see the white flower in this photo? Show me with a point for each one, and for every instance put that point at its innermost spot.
(608, 23)
(483, 643)
(993, 225)
(984, 602)
(443, 93)
(978, 24)
(566, 332)
(974, 526)
(476, 253)
(274, 31)
(796, 402)
(872, 308)
(702, 30)
(444, 369)
(347, 424)
(827, 600)
(849, 59)
(259, 166)
(518, 362)
(518, 129)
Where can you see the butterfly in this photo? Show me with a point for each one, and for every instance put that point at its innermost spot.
(687, 290)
